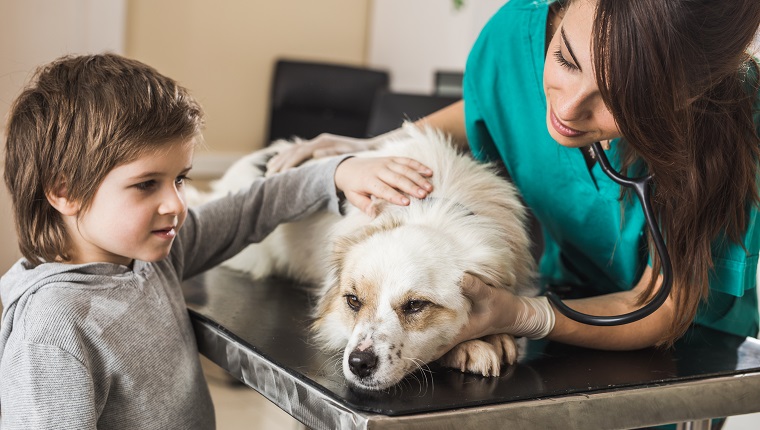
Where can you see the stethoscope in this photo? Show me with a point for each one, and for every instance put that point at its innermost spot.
(642, 187)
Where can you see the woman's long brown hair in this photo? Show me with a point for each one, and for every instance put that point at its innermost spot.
(677, 77)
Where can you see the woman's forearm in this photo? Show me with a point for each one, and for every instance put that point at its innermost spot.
(640, 334)
(496, 310)
(450, 120)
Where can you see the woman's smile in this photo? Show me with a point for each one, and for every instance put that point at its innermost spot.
(562, 128)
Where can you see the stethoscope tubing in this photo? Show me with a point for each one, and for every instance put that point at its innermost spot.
(642, 187)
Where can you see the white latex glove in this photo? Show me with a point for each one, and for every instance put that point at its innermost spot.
(496, 310)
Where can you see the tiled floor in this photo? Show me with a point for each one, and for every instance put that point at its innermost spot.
(743, 422)
(239, 407)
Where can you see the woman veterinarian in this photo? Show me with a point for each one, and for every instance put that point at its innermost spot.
(669, 88)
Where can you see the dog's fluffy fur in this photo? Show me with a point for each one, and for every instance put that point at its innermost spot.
(390, 294)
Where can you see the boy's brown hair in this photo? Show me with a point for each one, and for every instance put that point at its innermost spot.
(80, 117)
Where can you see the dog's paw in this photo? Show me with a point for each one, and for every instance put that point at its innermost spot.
(473, 356)
(504, 345)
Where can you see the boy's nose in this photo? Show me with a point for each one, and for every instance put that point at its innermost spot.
(172, 202)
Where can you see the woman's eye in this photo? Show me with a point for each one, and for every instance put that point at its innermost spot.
(563, 62)
(353, 302)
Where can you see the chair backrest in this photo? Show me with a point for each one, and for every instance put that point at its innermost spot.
(391, 109)
(448, 83)
(309, 98)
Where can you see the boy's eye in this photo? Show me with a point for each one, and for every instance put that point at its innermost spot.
(146, 186)
(181, 180)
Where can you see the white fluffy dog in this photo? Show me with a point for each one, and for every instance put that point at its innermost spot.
(390, 294)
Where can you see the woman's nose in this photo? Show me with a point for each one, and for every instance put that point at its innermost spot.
(574, 107)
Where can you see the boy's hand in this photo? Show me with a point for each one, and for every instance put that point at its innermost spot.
(387, 178)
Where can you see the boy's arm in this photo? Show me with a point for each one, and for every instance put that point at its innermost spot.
(220, 229)
(44, 387)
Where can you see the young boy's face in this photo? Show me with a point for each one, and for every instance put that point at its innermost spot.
(137, 210)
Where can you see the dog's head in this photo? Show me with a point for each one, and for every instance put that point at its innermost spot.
(392, 302)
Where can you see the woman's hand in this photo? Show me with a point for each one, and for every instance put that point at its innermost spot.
(387, 178)
(324, 145)
(497, 310)
(450, 120)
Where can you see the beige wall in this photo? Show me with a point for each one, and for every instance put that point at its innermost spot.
(224, 52)
(8, 245)
(34, 32)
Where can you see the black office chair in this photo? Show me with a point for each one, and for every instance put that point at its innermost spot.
(310, 98)
(391, 109)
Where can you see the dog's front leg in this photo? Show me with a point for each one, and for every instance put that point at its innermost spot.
(505, 347)
(482, 356)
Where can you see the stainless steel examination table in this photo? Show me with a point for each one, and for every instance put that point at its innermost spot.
(258, 332)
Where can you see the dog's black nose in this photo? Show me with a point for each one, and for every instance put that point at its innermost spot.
(362, 363)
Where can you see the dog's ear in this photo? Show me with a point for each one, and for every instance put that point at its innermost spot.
(331, 324)
(342, 244)
(493, 278)
(331, 288)
(326, 302)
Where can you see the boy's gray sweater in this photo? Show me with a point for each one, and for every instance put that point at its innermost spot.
(106, 346)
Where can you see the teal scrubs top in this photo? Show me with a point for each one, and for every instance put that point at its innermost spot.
(590, 239)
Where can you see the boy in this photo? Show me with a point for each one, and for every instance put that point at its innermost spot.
(94, 328)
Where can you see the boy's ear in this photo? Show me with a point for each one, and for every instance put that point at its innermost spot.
(58, 198)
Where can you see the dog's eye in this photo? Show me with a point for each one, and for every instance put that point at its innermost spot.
(353, 302)
(414, 306)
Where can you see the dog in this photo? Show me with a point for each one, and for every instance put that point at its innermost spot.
(390, 295)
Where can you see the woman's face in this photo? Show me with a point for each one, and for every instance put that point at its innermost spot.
(575, 113)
